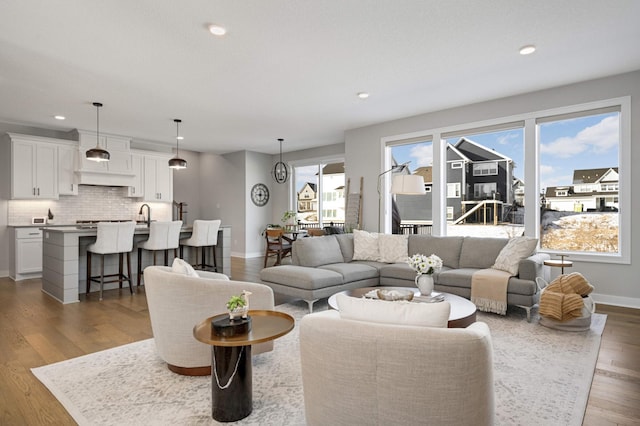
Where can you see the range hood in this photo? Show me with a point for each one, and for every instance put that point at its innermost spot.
(118, 171)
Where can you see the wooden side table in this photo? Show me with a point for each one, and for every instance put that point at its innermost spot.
(559, 263)
(231, 370)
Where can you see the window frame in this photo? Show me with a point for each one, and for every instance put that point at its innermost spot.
(529, 121)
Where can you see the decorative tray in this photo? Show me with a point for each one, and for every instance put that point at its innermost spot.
(390, 295)
(433, 298)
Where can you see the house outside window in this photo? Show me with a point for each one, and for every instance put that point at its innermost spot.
(485, 169)
(319, 194)
(484, 190)
(453, 190)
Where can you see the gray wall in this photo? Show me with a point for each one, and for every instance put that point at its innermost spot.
(616, 284)
(187, 186)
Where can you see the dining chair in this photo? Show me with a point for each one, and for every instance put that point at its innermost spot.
(278, 245)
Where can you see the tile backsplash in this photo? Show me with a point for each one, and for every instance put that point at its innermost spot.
(91, 203)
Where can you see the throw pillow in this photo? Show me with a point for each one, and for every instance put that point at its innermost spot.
(393, 248)
(517, 248)
(365, 245)
(399, 313)
(179, 266)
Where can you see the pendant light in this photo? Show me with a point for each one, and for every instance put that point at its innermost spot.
(280, 171)
(177, 162)
(97, 154)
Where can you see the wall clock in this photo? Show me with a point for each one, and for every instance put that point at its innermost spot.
(260, 194)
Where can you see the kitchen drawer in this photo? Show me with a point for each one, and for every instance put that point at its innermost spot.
(22, 233)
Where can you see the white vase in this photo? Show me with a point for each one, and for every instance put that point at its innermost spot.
(425, 283)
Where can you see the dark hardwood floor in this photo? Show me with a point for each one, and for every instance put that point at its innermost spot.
(36, 330)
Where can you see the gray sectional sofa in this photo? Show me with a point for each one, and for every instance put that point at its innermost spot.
(322, 266)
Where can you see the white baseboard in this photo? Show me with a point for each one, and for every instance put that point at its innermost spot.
(625, 302)
(247, 255)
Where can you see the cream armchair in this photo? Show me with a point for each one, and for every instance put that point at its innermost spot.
(178, 302)
(363, 373)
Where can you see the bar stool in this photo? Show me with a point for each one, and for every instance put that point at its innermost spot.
(205, 234)
(112, 238)
(162, 236)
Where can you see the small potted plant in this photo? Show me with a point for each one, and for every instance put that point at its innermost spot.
(238, 306)
(289, 218)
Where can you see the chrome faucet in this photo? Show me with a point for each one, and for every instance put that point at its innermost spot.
(148, 213)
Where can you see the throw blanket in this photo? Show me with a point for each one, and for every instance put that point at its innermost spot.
(489, 290)
(562, 300)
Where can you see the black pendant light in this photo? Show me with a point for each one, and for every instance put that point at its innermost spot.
(177, 162)
(280, 171)
(97, 154)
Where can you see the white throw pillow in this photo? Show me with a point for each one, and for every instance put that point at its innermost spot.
(517, 248)
(179, 266)
(398, 312)
(365, 245)
(393, 248)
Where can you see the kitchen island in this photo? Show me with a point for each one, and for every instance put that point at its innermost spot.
(64, 258)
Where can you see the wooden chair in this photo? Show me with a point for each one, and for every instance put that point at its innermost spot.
(314, 232)
(278, 245)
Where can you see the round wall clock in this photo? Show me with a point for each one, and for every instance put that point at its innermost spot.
(260, 194)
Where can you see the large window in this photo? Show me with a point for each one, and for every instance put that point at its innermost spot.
(579, 174)
(569, 192)
(320, 194)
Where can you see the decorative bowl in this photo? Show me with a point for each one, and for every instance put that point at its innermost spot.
(395, 294)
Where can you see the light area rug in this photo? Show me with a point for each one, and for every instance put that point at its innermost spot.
(542, 377)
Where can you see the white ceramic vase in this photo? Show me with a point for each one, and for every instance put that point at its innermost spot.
(424, 282)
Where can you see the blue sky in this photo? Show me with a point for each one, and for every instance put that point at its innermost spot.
(567, 145)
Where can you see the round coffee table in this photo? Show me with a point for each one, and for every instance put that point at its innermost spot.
(463, 311)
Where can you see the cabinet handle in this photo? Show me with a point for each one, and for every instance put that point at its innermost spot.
(38, 191)
(33, 190)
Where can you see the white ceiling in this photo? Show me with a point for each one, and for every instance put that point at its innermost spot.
(291, 68)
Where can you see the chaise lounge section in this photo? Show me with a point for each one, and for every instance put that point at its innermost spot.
(322, 266)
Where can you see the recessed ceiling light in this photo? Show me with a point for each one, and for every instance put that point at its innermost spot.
(217, 30)
(363, 95)
(59, 117)
(528, 49)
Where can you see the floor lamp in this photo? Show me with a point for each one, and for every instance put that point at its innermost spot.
(403, 184)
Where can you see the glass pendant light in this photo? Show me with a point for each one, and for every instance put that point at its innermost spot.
(97, 154)
(280, 171)
(177, 162)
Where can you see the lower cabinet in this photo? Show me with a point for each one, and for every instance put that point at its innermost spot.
(26, 254)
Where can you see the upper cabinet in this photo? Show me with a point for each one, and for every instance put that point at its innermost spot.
(34, 168)
(136, 189)
(158, 179)
(67, 165)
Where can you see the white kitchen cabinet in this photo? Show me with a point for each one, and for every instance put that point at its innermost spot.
(26, 259)
(34, 169)
(158, 179)
(119, 151)
(136, 189)
(67, 164)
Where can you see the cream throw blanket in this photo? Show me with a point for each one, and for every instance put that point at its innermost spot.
(489, 290)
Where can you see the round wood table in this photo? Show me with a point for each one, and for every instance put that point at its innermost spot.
(231, 372)
(463, 311)
(559, 263)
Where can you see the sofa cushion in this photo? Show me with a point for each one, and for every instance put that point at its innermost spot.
(393, 248)
(317, 251)
(517, 248)
(179, 266)
(446, 248)
(301, 277)
(480, 253)
(346, 246)
(400, 313)
(365, 245)
(398, 270)
(353, 271)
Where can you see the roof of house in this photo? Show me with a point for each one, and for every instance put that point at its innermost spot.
(592, 175)
(476, 152)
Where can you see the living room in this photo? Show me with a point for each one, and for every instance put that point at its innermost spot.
(217, 181)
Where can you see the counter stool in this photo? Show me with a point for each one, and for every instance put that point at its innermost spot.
(162, 236)
(113, 238)
(205, 235)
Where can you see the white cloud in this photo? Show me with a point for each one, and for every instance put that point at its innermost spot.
(546, 170)
(423, 154)
(598, 139)
(504, 139)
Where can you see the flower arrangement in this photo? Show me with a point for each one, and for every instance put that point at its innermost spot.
(425, 264)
